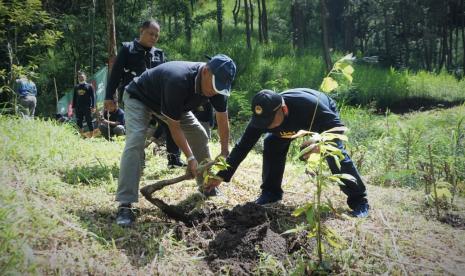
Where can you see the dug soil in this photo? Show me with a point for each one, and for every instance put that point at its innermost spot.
(235, 240)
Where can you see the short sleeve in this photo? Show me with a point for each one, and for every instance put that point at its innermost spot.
(173, 97)
(219, 103)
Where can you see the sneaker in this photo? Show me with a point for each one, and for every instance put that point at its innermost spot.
(125, 216)
(268, 197)
(361, 211)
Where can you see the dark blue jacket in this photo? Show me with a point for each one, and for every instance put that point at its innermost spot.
(301, 103)
(132, 60)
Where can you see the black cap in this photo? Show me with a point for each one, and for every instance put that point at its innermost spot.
(264, 106)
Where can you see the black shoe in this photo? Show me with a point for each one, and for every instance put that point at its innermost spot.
(212, 192)
(172, 164)
(125, 216)
(361, 211)
(268, 197)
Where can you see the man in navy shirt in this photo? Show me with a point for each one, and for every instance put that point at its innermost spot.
(170, 91)
(84, 102)
(112, 122)
(281, 116)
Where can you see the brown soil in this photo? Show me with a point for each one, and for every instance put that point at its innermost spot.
(235, 239)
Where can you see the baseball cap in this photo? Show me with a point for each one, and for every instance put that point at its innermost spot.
(264, 106)
(224, 71)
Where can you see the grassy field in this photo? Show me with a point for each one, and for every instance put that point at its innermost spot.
(57, 205)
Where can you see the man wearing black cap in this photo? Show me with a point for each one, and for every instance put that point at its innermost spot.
(170, 91)
(282, 115)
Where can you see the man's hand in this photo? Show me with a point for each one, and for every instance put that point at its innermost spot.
(212, 183)
(92, 110)
(192, 167)
(315, 149)
(109, 104)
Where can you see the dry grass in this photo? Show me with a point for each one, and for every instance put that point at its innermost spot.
(52, 227)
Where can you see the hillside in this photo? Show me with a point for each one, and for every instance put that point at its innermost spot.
(57, 211)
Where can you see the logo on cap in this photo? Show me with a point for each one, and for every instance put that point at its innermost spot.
(258, 110)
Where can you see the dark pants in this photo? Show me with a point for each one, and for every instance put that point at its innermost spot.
(84, 113)
(174, 154)
(274, 162)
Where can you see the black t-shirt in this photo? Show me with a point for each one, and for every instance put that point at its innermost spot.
(173, 88)
(117, 116)
(301, 103)
(83, 97)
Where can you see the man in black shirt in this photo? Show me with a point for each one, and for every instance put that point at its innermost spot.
(112, 123)
(84, 102)
(170, 91)
(132, 60)
(281, 116)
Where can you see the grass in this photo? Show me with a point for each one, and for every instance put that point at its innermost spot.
(53, 221)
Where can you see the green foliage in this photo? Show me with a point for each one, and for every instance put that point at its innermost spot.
(219, 165)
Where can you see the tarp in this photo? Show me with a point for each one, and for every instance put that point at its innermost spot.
(98, 81)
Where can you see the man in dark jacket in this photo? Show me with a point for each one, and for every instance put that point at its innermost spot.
(281, 116)
(112, 123)
(132, 60)
(171, 91)
(84, 102)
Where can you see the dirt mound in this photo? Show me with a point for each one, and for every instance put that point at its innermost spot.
(234, 239)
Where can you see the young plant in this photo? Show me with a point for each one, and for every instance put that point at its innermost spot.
(322, 146)
(316, 151)
(210, 173)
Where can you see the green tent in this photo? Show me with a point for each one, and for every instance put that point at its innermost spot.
(98, 81)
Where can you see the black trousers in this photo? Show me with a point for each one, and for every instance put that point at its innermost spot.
(274, 161)
(84, 113)
(171, 148)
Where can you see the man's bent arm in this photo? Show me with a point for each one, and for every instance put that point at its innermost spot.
(223, 131)
(179, 137)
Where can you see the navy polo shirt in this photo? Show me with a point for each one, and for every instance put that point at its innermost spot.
(173, 88)
(301, 103)
(117, 116)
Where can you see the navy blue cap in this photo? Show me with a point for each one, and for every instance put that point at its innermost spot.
(224, 71)
(264, 106)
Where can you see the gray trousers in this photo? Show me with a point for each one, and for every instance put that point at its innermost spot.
(29, 102)
(137, 117)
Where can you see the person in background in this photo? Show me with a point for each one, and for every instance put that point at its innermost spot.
(132, 60)
(84, 102)
(279, 116)
(112, 123)
(27, 92)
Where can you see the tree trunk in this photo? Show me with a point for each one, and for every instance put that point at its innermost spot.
(92, 39)
(251, 15)
(188, 23)
(110, 14)
(348, 28)
(324, 34)
(219, 18)
(247, 25)
(237, 8)
(297, 25)
(463, 33)
(260, 30)
(264, 22)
